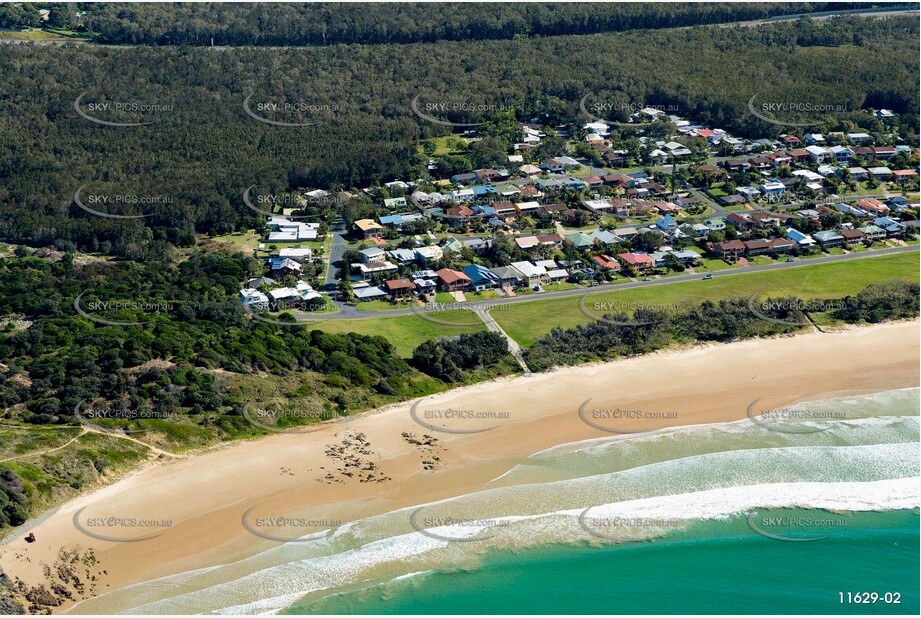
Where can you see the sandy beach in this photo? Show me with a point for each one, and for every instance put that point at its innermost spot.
(206, 507)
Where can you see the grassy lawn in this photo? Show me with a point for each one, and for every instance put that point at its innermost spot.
(245, 242)
(529, 321)
(377, 305)
(41, 35)
(406, 332)
(714, 264)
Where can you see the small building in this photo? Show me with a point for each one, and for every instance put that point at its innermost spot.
(829, 239)
(368, 229)
(400, 288)
(452, 280)
(640, 263)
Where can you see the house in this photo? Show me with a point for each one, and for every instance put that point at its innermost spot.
(425, 286)
(842, 154)
(883, 152)
(852, 237)
(606, 262)
(873, 206)
(749, 193)
(879, 173)
(452, 280)
(686, 256)
(553, 165)
(507, 276)
(400, 288)
(804, 241)
(818, 154)
(374, 268)
(257, 282)
(550, 240)
(729, 250)
(829, 239)
(531, 273)
(904, 175)
(529, 170)
(730, 200)
(527, 242)
(757, 246)
(369, 292)
(298, 254)
(640, 263)
(403, 256)
(300, 297)
(740, 221)
(605, 237)
(282, 267)
(527, 208)
(766, 220)
(873, 232)
(772, 188)
(462, 179)
(372, 254)
(858, 138)
(429, 254)
(815, 138)
(667, 225)
(254, 299)
(893, 228)
(394, 203)
(781, 245)
(580, 241)
(284, 230)
(368, 229)
(857, 173)
(459, 212)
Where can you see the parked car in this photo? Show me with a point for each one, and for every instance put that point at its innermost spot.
(708, 276)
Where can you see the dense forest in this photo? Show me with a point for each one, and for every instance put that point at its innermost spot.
(299, 24)
(202, 149)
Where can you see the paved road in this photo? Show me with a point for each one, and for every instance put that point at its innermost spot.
(336, 251)
(353, 313)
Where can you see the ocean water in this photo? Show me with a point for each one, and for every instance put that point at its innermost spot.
(722, 518)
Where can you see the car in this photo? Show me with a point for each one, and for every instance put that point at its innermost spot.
(708, 276)
(647, 278)
(790, 259)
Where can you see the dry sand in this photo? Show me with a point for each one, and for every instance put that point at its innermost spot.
(205, 497)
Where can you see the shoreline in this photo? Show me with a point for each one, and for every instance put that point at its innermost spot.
(325, 470)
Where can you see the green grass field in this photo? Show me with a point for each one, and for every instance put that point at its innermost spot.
(526, 322)
(406, 332)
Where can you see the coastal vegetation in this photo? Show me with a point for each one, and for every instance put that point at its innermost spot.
(619, 334)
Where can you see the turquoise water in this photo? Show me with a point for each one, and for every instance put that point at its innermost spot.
(715, 567)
